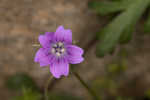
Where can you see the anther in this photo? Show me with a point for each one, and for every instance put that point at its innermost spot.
(62, 50)
(55, 45)
(53, 50)
(60, 44)
(58, 54)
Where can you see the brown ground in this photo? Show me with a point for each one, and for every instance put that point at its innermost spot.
(21, 21)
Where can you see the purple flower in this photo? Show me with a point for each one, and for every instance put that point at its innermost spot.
(57, 51)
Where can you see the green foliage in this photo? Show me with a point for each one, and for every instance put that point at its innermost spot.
(147, 25)
(29, 90)
(126, 36)
(28, 94)
(62, 96)
(104, 8)
(114, 30)
(147, 94)
(16, 82)
(107, 7)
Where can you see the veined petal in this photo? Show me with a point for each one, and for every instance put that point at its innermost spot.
(42, 58)
(75, 60)
(46, 39)
(74, 54)
(74, 50)
(59, 68)
(63, 35)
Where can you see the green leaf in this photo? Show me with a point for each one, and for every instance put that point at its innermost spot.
(16, 82)
(107, 7)
(127, 35)
(147, 25)
(28, 94)
(114, 30)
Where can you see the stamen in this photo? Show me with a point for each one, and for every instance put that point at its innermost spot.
(60, 44)
(62, 50)
(58, 49)
(55, 45)
(53, 50)
(58, 54)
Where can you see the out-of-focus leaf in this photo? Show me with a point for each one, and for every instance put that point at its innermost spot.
(104, 8)
(28, 94)
(16, 82)
(114, 30)
(62, 96)
(127, 35)
(107, 7)
(119, 98)
(147, 25)
(147, 94)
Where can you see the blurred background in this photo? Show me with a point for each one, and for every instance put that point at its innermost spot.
(122, 75)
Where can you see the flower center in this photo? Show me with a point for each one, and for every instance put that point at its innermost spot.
(58, 49)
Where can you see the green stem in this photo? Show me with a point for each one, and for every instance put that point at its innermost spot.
(93, 94)
(46, 87)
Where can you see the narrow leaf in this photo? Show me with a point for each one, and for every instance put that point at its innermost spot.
(147, 25)
(107, 7)
(127, 34)
(114, 30)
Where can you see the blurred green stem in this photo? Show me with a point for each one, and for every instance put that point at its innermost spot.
(93, 94)
(46, 87)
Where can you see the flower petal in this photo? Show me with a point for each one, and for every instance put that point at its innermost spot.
(46, 39)
(74, 50)
(74, 54)
(49, 35)
(63, 35)
(59, 68)
(41, 57)
(75, 60)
